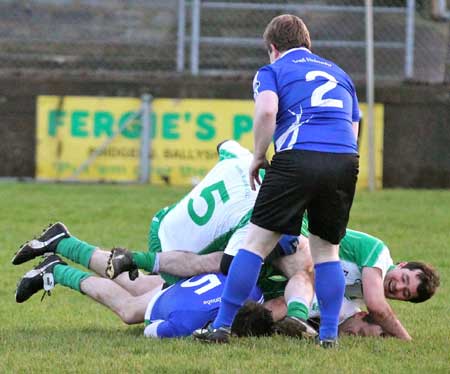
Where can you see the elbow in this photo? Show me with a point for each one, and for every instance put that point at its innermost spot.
(379, 312)
(269, 115)
(266, 114)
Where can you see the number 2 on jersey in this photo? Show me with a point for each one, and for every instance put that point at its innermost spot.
(319, 92)
(207, 194)
(211, 281)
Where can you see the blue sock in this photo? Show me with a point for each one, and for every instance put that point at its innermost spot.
(241, 280)
(330, 288)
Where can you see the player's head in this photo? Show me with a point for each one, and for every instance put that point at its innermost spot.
(361, 324)
(285, 32)
(411, 281)
(253, 320)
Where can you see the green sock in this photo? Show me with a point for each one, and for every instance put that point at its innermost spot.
(69, 277)
(76, 250)
(145, 260)
(298, 309)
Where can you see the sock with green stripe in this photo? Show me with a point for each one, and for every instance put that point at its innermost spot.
(297, 308)
(68, 276)
(76, 250)
(148, 261)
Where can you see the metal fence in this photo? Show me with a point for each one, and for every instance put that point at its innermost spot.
(200, 37)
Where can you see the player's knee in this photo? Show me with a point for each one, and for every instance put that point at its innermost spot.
(130, 316)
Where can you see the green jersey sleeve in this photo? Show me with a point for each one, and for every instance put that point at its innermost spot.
(364, 250)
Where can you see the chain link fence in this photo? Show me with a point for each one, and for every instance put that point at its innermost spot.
(123, 37)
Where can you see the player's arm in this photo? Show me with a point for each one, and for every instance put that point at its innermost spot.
(356, 113)
(378, 306)
(166, 329)
(355, 126)
(187, 264)
(266, 108)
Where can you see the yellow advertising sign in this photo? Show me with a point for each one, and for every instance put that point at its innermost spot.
(184, 136)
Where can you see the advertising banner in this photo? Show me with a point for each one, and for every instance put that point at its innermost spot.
(184, 134)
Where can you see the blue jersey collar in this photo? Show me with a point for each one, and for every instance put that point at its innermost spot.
(293, 50)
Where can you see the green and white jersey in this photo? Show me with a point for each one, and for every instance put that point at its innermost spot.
(273, 284)
(215, 214)
(356, 251)
(349, 308)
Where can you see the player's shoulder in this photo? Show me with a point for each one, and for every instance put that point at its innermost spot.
(332, 67)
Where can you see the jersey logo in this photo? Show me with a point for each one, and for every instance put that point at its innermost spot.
(293, 129)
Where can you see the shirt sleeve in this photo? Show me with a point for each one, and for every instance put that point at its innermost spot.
(264, 80)
(384, 261)
(356, 116)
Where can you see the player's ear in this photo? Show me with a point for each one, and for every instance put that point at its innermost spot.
(276, 53)
(402, 264)
(361, 314)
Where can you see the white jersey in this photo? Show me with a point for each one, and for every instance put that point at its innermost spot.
(215, 214)
(349, 308)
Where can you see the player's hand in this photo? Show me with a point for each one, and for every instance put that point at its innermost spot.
(257, 163)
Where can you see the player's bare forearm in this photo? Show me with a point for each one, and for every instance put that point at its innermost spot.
(266, 107)
(386, 318)
(263, 133)
(378, 306)
(188, 264)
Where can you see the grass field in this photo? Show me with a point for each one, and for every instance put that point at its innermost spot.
(67, 332)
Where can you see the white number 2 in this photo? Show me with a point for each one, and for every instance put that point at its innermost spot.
(317, 94)
(211, 281)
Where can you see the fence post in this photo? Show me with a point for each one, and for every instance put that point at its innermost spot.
(181, 35)
(145, 139)
(409, 48)
(370, 93)
(195, 37)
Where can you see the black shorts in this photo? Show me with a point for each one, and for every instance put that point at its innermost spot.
(321, 183)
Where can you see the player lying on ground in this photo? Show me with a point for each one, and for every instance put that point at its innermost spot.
(213, 217)
(178, 310)
(371, 278)
(125, 298)
(57, 239)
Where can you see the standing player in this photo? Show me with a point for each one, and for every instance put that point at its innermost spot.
(308, 105)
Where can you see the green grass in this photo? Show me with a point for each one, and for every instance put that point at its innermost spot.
(68, 332)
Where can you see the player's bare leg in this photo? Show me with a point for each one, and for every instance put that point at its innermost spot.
(130, 309)
(298, 293)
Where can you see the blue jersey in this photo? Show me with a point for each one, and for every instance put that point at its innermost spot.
(317, 103)
(188, 305)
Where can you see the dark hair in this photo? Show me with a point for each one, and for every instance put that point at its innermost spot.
(369, 319)
(285, 32)
(253, 320)
(429, 280)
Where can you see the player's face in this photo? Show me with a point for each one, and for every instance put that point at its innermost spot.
(401, 283)
(357, 327)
